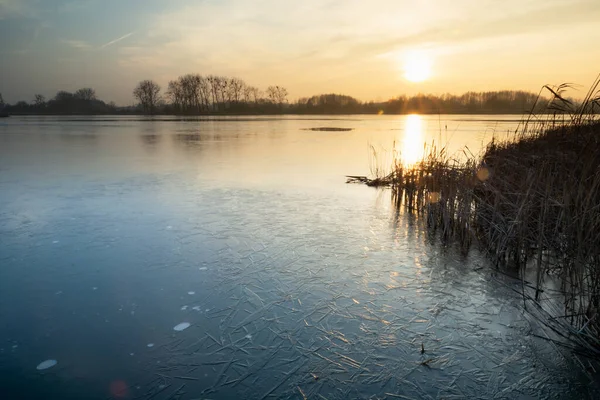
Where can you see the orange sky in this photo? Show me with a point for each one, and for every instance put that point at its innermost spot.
(314, 46)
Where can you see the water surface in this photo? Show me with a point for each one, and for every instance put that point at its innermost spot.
(222, 257)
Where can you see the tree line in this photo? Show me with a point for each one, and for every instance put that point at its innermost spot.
(497, 102)
(82, 101)
(195, 94)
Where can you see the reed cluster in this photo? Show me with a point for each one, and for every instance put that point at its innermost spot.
(532, 202)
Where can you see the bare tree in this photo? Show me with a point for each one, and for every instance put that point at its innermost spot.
(63, 96)
(87, 94)
(1, 100)
(39, 100)
(236, 88)
(219, 87)
(148, 94)
(205, 94)
(277, 95)
(216, 91)
(191, 90)
(196, 94)
(175, 93)
(251, 94)
(247, 94)
(225, 92)
(257, 94)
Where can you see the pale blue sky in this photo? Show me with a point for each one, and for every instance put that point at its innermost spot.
(354, 47)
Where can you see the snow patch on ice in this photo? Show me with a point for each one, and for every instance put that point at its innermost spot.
(46, 364)
(181, 326)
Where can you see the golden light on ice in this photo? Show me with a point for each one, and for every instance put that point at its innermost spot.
(417, 67)
(412, 144)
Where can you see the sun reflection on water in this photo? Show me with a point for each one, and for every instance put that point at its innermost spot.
(412, 146)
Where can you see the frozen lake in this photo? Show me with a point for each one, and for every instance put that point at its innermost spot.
(227, 257)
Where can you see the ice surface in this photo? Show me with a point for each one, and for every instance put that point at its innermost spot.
(291, 289)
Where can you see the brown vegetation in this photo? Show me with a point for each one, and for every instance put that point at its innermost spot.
(531, 202)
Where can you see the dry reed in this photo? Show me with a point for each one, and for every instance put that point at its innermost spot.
(532, 202)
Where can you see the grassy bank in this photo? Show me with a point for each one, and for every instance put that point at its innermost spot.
(531, 202)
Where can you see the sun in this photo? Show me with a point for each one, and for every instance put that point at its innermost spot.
(417, 67)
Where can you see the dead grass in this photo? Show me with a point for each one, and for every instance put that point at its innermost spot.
(532, 202)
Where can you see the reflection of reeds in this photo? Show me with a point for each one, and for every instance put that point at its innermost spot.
(532, 202)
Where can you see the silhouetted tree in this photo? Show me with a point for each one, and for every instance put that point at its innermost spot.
(329, 104)
(87, 94)
(191, 93)
(39, 101)
(501, 102)
(255, 94)
(277, 95)
(196, 94)
(148, 94)
(84, 101)
(236, 89)
(175, 94)
(1, 101)
(63, 96)
(21, 107)
(217, 90)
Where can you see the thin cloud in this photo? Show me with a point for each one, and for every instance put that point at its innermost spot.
(77, 44)
(116, 40)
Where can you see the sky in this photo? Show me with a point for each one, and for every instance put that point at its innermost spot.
(371, 50)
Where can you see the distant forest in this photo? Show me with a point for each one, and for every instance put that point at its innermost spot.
(195, 94)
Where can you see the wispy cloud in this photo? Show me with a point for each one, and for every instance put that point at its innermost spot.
(209, 34)
(348, 43)
(116, 40)
(77, 44)
(83, 45)
(349, 46)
